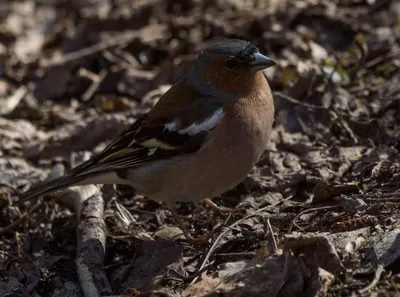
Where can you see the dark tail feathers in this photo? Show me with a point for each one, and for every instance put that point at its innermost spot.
(51, 186)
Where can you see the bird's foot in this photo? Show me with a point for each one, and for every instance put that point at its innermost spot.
(194, 240)
(218, 211)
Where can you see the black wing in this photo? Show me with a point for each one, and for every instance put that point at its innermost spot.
(145, 141)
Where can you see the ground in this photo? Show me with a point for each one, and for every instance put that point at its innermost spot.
(318, 215)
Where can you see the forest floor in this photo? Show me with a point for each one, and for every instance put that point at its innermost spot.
(318, 216)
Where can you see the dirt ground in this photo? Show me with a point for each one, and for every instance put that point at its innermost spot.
(318, 216)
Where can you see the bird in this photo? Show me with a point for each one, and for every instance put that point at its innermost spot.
(200, 139)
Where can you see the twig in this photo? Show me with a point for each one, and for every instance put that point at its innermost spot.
(91, 234)
(9, 187)
(90, 50)
(392, 199)
(28, 213)
(248, 255)
(215, 244)
(22, 218)
(310, 210)
(96, 81)
(334, 113)
(324, 220)
(271, 233)
(88, 204)
(381, 59)
(9, 104)
(375, 281)
(295, 101)
(363, 48)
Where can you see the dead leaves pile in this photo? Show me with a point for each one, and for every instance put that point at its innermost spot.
(317, 216)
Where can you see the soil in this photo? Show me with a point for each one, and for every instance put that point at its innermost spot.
(317, 216)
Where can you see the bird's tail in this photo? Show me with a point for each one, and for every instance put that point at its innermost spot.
(51, 186)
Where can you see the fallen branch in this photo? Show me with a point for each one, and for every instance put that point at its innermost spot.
(374, 282)
(91, 236)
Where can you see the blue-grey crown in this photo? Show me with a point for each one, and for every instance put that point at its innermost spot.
(233, 47)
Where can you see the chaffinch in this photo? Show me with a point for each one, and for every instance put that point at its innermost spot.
(201, 138)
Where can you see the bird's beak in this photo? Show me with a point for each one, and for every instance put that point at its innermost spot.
(261, 62)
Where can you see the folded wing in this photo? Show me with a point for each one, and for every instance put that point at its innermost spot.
(148, 141)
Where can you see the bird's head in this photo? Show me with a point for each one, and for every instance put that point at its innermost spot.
(228, 68)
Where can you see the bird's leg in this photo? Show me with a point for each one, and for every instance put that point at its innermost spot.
(218, 211)
(189, 238)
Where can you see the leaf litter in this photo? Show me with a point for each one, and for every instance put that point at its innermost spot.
(74, 74)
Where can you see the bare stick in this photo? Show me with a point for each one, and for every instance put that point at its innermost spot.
(392, 199)
(295, 101)
(90, 50)
(307, 211)
(375, 281)
(271, 234)
(215, 244)
(91, 236)
(96, 81)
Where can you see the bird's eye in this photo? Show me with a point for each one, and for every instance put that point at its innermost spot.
(231, 63)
